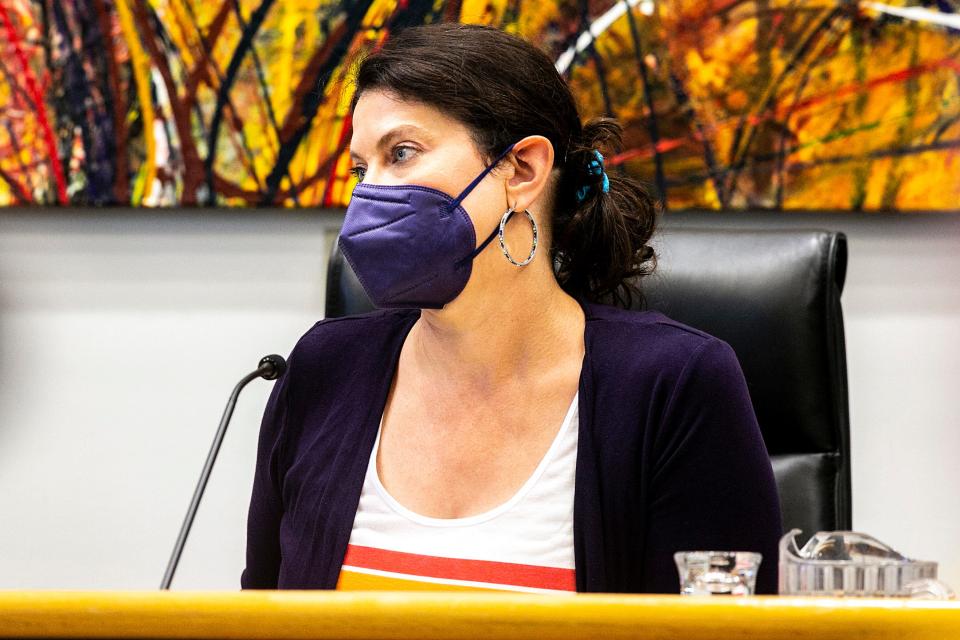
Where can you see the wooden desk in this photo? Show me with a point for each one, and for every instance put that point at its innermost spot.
(429, 616)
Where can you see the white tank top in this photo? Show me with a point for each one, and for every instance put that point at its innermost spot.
(524, 544)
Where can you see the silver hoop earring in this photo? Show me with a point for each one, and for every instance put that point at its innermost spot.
(503, 244)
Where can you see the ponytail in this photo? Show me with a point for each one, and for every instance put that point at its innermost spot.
(603, 222)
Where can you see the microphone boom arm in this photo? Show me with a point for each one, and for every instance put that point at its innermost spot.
(271, 367)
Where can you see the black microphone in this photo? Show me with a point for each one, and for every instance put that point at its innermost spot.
(271, 367)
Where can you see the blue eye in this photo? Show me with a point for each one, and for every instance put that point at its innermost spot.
(402, 153)
(358, 173)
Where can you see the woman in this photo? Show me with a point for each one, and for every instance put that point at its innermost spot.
(494, 425)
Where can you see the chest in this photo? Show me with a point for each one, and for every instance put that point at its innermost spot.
(522, 544)
(450, 458)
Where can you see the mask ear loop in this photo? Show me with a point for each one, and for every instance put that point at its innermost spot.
(463, 194)
(483, 174)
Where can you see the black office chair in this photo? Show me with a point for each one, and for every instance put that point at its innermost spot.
(774, 295)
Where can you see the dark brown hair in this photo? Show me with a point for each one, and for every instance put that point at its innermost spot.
(503, 89)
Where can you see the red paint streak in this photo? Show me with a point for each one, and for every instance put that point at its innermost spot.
(852, 88)
(37, 98)
(327, 198)
(896, 76)
(341, 144)
(647, 152)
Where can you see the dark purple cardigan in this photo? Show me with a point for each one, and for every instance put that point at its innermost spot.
(669, 457)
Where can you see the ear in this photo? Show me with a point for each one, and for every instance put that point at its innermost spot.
(532, 160)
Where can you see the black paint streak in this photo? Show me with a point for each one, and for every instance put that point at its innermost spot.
(245, 44)
(659, 176)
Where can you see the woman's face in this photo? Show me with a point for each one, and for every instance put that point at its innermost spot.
(400, 142)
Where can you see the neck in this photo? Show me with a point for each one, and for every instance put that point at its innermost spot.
(493, 335)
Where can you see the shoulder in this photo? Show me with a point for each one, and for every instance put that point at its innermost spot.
(650, 369)
(649, 342)
(346, 330)
(335, 343)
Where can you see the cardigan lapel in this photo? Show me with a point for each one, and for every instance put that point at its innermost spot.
(355, 450)
(588, 539)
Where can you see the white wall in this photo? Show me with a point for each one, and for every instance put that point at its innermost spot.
(121, 335)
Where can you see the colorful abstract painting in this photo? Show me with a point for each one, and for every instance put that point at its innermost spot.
(728, 104)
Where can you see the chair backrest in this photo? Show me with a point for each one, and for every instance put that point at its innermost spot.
(774, 295)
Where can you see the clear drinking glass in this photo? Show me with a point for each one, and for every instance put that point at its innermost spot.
(717, 573)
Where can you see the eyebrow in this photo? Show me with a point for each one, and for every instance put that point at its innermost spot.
(397, 132)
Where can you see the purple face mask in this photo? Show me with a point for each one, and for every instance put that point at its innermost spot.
(411, 246)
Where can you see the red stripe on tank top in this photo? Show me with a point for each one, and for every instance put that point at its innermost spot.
(489, 571)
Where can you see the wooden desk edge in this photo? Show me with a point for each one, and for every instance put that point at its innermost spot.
(326, 615)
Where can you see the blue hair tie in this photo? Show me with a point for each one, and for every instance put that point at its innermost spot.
(594, 168)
